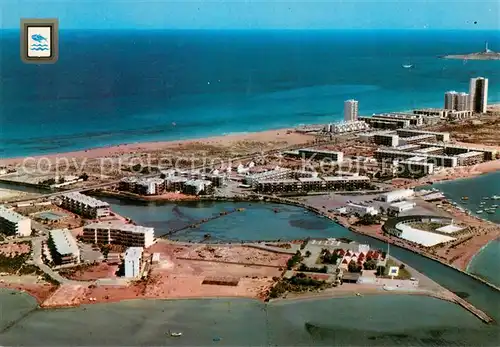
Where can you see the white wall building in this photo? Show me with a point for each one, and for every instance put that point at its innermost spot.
(13, 223)
(397, 195)
(119, 233)
(65, 248)
(360, 209)
(85, 205)
(401, 206)
(478, 94)
(132, 262)
(350, 110)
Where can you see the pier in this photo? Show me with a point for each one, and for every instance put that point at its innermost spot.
(204, 220)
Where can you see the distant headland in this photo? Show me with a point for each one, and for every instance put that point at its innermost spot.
(487, 54)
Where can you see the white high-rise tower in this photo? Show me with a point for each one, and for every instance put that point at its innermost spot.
(478, 94)
(350, 110)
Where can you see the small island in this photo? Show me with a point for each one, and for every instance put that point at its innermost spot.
(487, 54)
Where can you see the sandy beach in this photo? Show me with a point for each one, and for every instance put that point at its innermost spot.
(265, 139)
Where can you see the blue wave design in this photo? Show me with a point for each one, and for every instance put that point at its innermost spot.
(39, 47)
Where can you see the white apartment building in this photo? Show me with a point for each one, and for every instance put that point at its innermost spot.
(350, 110)
(13, 223)
(397, 195)
(360, 209)
(64, 247)
(119, 233)
(450, 100)
(85, 205)
(478, 94)
(463, 102)
(133, 261)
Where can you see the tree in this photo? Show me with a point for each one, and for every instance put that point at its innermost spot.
(163, 176)
(308, 254)
(353, 267)
(370, 264)
(84, 176)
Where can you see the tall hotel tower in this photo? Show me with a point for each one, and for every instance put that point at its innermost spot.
(350, 110)
(478, 94)
(450, 100)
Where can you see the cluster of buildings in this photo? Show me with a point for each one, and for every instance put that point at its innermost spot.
(85, 205)
(194, 182)
(13, 223)
(475, 101)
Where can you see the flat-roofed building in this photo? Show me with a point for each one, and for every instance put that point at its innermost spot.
(450, 100)
(415, 168)
(478, 94)
(438, 160)
(341, 183)
(414, 119)
(452, 149)
(132, 262)
(350, 110)
(84, 205)
(459, 115)
(13, 223)
(276, 174)
(347, 127)
(430, 150)
(407, 148)
(197, 187)
(385, 123)
(401, 206)
(63, 247)
(175, 183)
(470, 158)
(390, 140)
(142, 186)
(320, 154)
(119, 233)
(432, 112)
(397, 195)
(416, 139)
(440, 136)
(360, 209)
(313, 184)
(463, 102)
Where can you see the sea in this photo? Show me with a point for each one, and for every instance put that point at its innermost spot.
(384, 320)
(115, 87)
(479, 191)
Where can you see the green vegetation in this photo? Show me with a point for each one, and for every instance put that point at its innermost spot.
(368, 219)
(297, 284)
(403, 274)
(305, 268)
(370, 264)
(13, 264)
(30, 270)
(84, 176)
(49, 279)
(354, 267)
(328, 257)
(304, 243)
(308, 254)
(294, 260)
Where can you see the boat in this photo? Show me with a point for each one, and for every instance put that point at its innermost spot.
(479, 211)
(175, 334)
(494, 206)
(358, 294)
(465, 198)
(490, 212)
(407, 66)
(495, 197)
(486, 198)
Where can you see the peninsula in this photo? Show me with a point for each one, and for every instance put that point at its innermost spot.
(487, 54)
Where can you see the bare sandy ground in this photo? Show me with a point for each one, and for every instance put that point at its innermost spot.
(11, 249)
(275, 136)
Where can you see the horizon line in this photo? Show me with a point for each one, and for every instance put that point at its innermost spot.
(264, 29)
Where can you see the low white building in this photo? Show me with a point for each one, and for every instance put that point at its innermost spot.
(64, 247)
(13, 223)
(133, 261)
(401, 206)
(360, 209)
(397, 195)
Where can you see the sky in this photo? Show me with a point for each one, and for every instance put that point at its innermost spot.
(256, 14)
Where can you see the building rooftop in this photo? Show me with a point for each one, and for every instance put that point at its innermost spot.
(322, 151)
(346, 178)
(469, 154)
(310, 179)
(11, 216)
(87, 200)
(133, 253)
(64, 241)
(121, 226)
(428, 149)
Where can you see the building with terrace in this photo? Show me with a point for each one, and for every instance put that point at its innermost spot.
(84, 205)
(119, 233)
(13, 223)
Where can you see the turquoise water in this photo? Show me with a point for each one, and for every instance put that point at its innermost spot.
(362, 321)
(262, 221)
(476, 189)
(486, 262)
(217, 82)
(386, 320)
